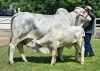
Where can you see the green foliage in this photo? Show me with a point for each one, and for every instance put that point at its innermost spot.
(41, 62)
(50, 6)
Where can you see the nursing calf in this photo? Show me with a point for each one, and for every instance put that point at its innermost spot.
(57, 38)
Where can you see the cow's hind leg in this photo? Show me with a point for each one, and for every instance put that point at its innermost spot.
(60, 56)
(12, 46)
(11, 52)
(20, 48)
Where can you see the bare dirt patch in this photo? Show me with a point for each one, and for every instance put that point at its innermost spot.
(4, 36)
(4, 40)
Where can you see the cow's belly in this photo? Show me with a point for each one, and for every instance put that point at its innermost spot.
(68, 41)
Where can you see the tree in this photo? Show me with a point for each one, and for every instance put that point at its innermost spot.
(49, 6)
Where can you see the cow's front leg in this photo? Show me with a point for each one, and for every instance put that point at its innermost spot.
(11, 52)
(54, 51)
(60, 56)
(20, 48)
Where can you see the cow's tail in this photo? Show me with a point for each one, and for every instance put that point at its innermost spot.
(11, 34)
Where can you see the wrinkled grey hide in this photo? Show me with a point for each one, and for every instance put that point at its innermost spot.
(28, 26)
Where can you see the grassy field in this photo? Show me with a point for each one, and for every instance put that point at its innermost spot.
(41, 62)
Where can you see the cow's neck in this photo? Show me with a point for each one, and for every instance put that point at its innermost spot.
(73, 17)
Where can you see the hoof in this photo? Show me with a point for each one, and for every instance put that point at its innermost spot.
(10, 62)
(52, 64)
(60, 60)
(25, 61)
(82, 63)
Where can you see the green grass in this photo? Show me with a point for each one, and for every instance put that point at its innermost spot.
(41, 62)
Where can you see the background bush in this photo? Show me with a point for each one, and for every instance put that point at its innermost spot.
(48, 6)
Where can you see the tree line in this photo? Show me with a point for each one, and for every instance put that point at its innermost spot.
(47, 6)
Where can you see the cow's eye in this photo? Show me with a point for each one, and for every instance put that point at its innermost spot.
(83, 11)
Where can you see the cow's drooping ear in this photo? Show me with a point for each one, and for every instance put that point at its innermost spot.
(77, 11)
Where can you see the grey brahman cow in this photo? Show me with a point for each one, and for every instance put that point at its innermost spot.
(26, 27)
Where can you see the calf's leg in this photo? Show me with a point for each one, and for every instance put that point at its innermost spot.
(60, 56)
(77, 51)
(82, 53)
(54, 51)
(81, 46)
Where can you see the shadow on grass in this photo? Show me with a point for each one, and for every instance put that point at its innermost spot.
(47, 59)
